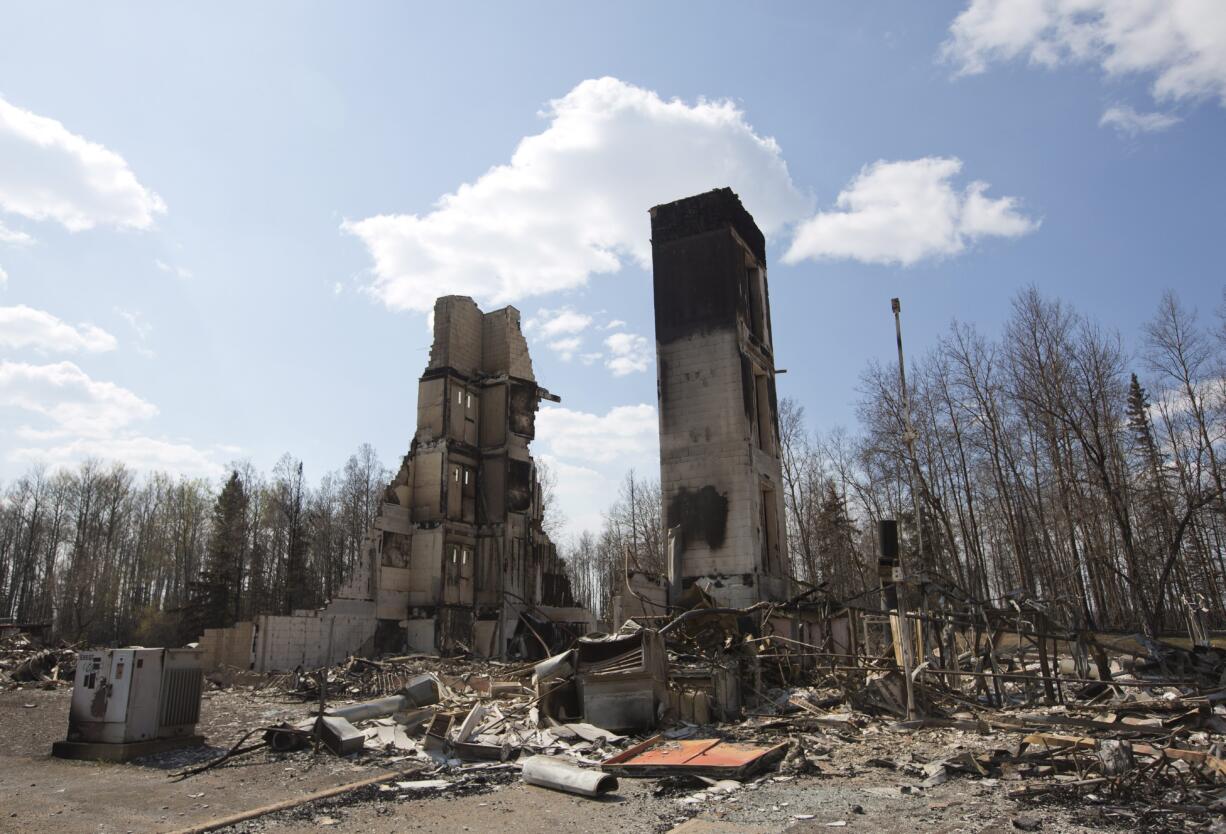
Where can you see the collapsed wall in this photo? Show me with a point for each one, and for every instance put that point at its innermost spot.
(720, 473)
(457, 559)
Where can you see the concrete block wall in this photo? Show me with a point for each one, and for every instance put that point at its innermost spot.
(426, 567)
(227, 646)
(472, 342)
(428, 474)
(495, 356)
(395, 593)
(648, 596)
(348, 608)
(458, 326)
(431, 409)
(395, 518)
(704, 442)
(485, 632)
(419, 634)
(360, 585)
(283, 643)
(504, 349)
(700, 381)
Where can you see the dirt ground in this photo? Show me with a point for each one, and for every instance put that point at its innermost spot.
(856, 788)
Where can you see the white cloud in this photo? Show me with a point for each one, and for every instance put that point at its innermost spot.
(87, 418)
(180, 272)
(573, 199)
(14, 237)
(902, 212)
(69, 399)
(1182, 43)
(1175, 400)
(1126, 120)
(566, 348)
(24, 327)
(591, 453)
(631, 353)
(51, 173)
(589, 358)
(615, 324)
(338, 288)
(583, 494)
(140, 327)
(625, 432)
(134, 451)
(4, 277)
(560, 328)
(560, 322)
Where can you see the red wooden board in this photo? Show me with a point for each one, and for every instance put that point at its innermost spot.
(673, 752)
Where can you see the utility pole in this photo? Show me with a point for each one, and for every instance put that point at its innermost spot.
(908, 434)
(908, 437)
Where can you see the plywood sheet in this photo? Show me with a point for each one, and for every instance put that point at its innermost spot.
(713, 758)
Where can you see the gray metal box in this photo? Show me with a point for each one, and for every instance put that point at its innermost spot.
(135, 694)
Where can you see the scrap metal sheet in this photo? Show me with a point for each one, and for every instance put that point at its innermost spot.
(674, 752)
(710, 757)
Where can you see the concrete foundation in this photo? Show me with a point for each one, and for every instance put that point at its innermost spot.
(121, 752)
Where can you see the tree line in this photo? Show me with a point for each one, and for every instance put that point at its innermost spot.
(104, 555)
(632, 537)
(1050, 463)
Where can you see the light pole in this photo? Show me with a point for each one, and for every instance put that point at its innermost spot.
(908, 438)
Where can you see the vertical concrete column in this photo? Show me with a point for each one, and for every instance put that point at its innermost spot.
(720, 474)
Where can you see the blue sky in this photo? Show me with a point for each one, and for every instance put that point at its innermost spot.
(220, 224)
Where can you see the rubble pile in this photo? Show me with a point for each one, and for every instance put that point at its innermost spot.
(25, 662)
(359, 677)
(713, 702)
(1138, 742)
(451, 727)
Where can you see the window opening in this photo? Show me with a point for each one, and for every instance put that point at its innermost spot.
(770, 531)
(766, 420)
(756, 307)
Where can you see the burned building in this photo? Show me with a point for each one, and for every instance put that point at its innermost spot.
(457, 559)
(459, 544)
(720, 474)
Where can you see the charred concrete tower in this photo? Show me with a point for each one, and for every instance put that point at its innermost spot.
(720, 474)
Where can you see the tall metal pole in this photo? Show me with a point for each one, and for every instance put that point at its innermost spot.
(908, 437)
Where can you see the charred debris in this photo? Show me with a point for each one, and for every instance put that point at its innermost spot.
(457, 657)
(711, 700)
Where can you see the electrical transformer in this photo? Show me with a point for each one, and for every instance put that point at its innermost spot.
(132, 702)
